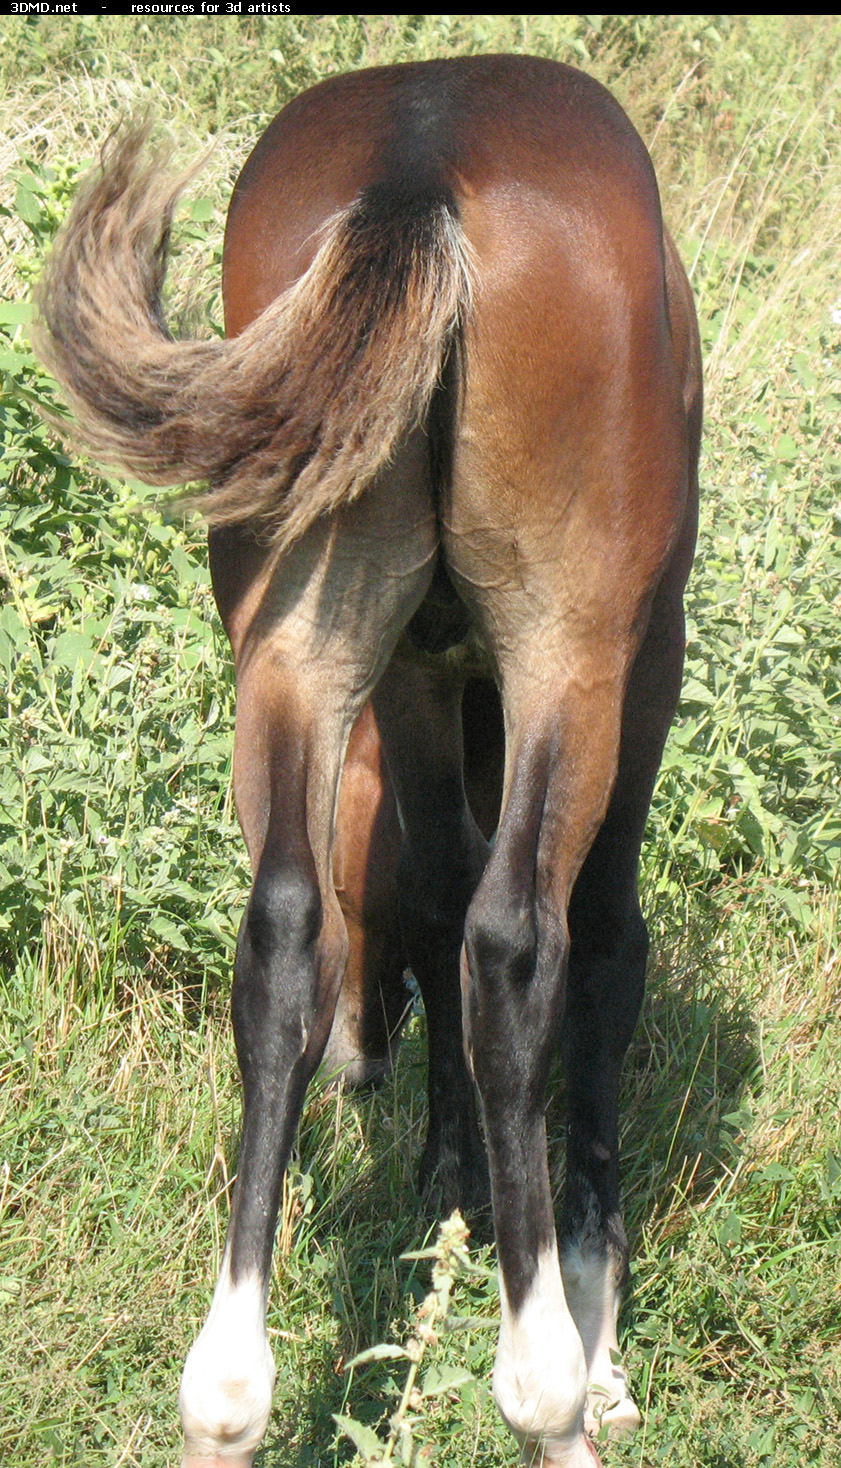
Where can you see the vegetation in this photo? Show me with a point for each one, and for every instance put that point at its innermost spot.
(122, 874)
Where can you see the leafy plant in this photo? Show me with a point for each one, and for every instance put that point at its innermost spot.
(450, 1260)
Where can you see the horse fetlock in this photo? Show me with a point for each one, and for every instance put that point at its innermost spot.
(226, 1390)
(585, 1456)
(453, 1170)
(540, 1375)
(611, 1406)
(590, 1277)
(543, 1406)
(579, 1452)
(224, 1419)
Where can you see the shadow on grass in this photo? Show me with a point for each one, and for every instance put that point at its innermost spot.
(693, 1063)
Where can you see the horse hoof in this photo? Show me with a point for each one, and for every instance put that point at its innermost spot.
(584, 1455)
(621, 1418)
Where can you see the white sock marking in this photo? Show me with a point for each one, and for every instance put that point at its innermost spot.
(540, 1376)
(594, 1301)
(228, 1378)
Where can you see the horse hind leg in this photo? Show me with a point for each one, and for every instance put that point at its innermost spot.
(374, 998)
(555, 929)
(443, 854)
(564, 620)
(559, 767)
(310, 637)
(606, 980)
(290, 958)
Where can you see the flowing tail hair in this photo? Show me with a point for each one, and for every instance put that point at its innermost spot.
(292, 418)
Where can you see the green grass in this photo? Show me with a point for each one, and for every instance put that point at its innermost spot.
(122, 875)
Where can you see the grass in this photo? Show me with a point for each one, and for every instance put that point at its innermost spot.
(122, 875)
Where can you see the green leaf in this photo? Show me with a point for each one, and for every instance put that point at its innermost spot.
(775, 1172)
(377, 1353)
(729, 1233)
(15, 313)
(171, 934)
(364, 1438)
(440, 1379)
(12, 361)
(27, 205)
(70, 648)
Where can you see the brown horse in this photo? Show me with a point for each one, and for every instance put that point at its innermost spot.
(374, 998)
(454, 429)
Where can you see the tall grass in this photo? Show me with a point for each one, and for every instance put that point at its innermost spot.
(122, 877)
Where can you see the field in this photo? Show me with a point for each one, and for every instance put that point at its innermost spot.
(122, 875)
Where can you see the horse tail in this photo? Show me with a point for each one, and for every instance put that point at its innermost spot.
(292, 418)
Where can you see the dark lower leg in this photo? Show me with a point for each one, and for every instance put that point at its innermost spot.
(609, 945)
(453, 1169)
(609, 948)
(517, 949)
(288, 970)
(290, 960)
(515, 958)
(442, 859)
(609, 940)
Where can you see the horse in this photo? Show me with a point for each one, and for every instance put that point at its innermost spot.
(374, 999)
(452, 435)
